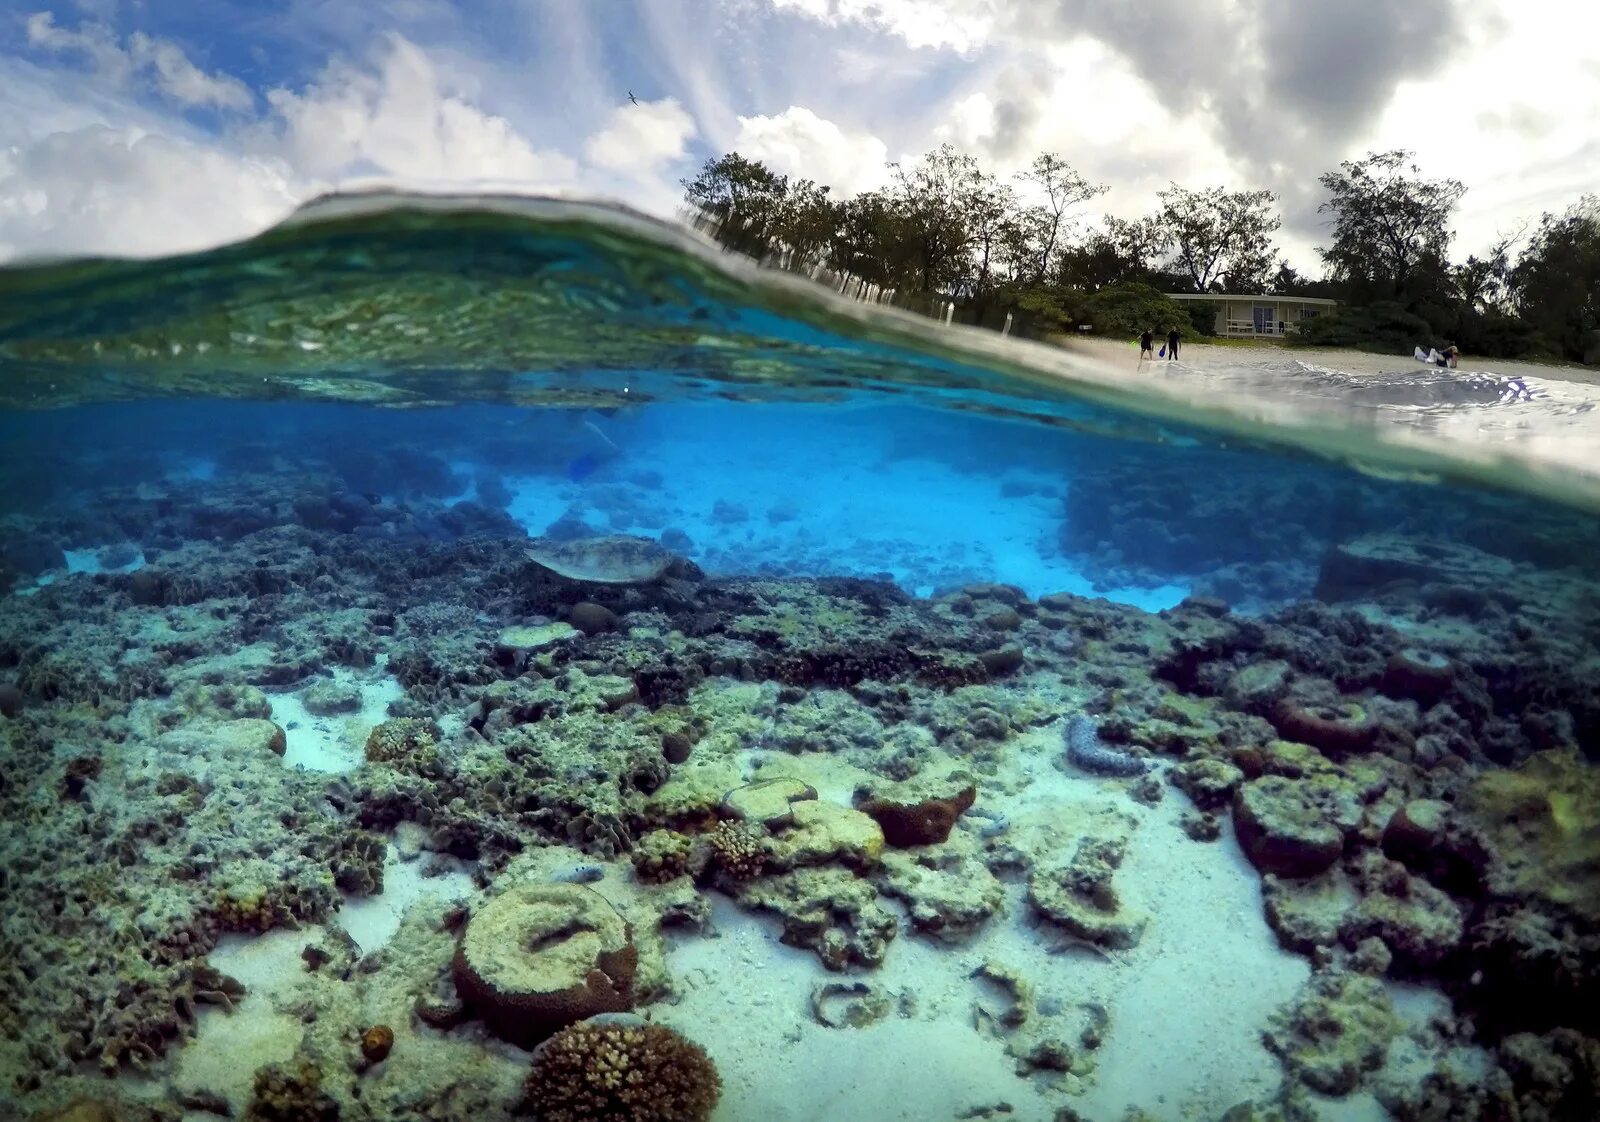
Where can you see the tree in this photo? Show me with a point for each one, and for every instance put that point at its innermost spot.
(861, 246)
(741, 199)
(1481, 282)
(1556, 282)
(1391, 227)
(990, 218)
(1217, 233)
(1042, 226)
(1118, 254)
(807, 221)
(932, 202)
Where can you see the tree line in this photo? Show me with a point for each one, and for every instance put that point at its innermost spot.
(944, 230)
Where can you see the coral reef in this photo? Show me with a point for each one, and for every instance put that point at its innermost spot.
(907, 821)
(1402, 761)
(1336, 1030)
(539, 957)
(621, 1070)
(1079, 896)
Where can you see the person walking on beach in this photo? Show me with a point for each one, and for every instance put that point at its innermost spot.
(1172, 344)
(1147, 345)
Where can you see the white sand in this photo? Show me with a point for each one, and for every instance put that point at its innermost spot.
(334, 743)
(372, 920)
(1126, 354)
(1186, 1005)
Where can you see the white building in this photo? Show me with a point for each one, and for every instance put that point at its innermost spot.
(1241, 315)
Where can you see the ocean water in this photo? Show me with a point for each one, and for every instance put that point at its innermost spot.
(435, 625)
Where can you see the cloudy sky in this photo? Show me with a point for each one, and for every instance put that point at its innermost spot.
(146, 126)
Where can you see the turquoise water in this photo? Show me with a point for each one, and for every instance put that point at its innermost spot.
(409, 561)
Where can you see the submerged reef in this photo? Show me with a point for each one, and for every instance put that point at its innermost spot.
(305, 697)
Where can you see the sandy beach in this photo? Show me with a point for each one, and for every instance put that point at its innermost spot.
(1126, 353)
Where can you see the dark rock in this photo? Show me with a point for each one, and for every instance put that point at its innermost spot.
(927, 822)
(591, 618)
(1294, 827)
(1003, 661)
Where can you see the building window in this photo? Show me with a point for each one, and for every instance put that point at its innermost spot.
(1310, 313)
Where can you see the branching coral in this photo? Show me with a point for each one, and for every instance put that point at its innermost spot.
(621, 1070)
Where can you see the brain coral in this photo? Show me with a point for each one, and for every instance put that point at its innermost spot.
(621, 1069)
(540, 956)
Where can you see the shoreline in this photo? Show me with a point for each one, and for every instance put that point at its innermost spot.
(1125, 354)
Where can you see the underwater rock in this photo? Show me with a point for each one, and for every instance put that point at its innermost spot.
(1419, 924)
(907, 820)
(251, 734)
(291, 1091)
(1200, 826)
(948, 896)
(825, 834)
(1334, 1032)
(1420, 675)
(540, 956)
(613, 559)
(1336, 730)
(1002, 660)
(1079, 896)
(1538, 825)
(1258, 686)
(849, 1004)
(1209, 783)
(1295, 827)
(11, 700)
(768, 802)
(1308, 914)
(515, 643)
(829, 910)
(1085, 750)
(591, 618)
(1533, 945)
(329, 698)
(1548, 1077)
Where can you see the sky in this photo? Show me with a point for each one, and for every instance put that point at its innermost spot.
(156, 126)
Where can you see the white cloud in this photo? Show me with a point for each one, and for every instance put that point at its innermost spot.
(798, 142)
(396, 121)
(108, 190)
(957, 24)
(162, 60)
(88, 181)
(642, 137)
(182, 80)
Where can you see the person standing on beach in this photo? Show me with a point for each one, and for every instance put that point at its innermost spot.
(1172, 344)
(1147, 345)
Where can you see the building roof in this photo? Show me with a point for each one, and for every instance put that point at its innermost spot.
(1262, 296)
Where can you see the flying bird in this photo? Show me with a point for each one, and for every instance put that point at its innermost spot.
(632, 98)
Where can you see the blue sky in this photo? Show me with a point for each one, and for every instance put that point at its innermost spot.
(153, 126)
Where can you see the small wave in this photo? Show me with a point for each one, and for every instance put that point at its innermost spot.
(405, 301)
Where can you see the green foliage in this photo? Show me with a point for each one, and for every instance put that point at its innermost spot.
(1385, 326)
(944, 229)
(1125, 310)
(1202, 316)
(1496, 333)
(1557, 281)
